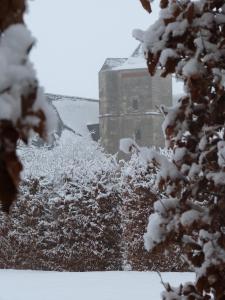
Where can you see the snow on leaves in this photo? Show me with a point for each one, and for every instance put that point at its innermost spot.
(22, 107)
(188, 41)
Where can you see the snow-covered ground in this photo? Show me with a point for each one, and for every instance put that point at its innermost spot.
(32, 285)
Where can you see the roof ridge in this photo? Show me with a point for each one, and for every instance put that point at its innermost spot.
(73, 98)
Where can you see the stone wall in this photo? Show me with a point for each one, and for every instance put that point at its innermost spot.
(128, 107)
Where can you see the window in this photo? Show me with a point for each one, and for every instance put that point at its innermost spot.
(138, 135)
(135, 104)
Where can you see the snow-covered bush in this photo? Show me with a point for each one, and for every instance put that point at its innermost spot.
(138, 194)
(79, 209)
(67, 215)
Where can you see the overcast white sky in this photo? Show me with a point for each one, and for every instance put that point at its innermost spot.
(75, 36)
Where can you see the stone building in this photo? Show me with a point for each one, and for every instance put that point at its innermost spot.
(129, 98)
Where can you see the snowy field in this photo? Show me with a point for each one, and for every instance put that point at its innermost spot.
(32, 285)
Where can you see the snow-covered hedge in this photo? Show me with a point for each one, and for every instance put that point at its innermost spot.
(138, 194)
(80, 210)
(66, 217)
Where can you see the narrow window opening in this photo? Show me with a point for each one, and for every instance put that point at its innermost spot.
(138, 135)
(135, 104)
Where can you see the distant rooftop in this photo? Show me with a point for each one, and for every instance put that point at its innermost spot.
(138, 52)
(54, 97)
(76, 113)
(135, 61)
(111, 63)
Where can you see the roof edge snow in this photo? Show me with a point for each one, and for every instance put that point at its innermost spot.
(54, 97)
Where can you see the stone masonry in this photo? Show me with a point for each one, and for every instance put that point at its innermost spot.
(129, 98)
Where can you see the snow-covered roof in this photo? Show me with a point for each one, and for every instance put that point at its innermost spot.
(111, 63)
(135, 61)
(138, 51)
(75, 112)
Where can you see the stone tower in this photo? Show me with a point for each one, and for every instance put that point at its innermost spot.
(128, 102)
